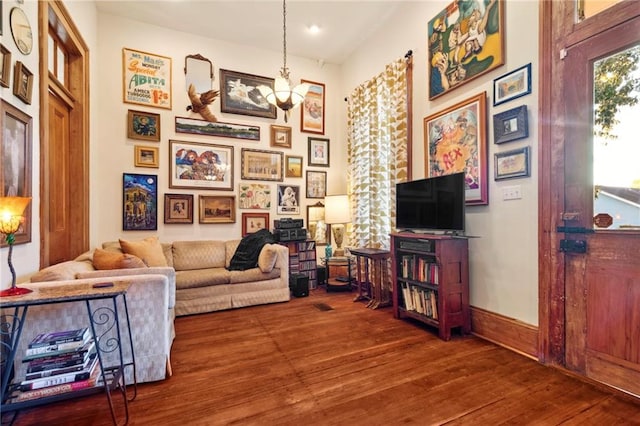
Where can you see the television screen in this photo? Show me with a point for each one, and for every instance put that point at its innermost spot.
(435, 204)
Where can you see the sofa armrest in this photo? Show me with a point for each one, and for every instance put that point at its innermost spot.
(282, 261)
(112, 274)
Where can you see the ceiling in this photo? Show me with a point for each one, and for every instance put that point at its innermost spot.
(344, 25)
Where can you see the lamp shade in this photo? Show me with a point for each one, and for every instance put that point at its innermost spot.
(11, 210)
(336, 209)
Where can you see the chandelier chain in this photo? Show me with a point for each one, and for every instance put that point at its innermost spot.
(285, 70)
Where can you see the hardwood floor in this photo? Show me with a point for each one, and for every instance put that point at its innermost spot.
(295, 363)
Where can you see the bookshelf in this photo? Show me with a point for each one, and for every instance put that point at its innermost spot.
(431, 281)
(302, 260)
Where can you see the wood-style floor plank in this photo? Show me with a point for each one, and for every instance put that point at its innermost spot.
(294, 363)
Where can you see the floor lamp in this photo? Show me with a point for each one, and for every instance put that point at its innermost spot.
(337, 214)
(11, 210)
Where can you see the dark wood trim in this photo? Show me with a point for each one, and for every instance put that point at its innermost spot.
(506, 332)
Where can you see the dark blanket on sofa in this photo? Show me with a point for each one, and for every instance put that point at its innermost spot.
(246, 255)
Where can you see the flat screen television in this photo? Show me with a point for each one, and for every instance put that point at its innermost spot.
(432, 204)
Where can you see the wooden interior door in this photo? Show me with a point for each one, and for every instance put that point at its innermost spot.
(602, 285)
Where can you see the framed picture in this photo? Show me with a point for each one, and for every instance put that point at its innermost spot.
(178, 208)
(318, 152)
(512, 164)
(455, 140)
(239, 94)
(512, 85)
(22, 82)
(317, 227)
(217, 209)
(288, 199)
(146, 156)
(146, 79)
(464, 42)
(252, 222)
(511, 125)
(5, 64)
(226, 130)
(139, 202)
(312, 111)
(316, 184)
(15, 157)
(255, 196)
(280, 136)
(293, 166)
(262, 165)
(143, 125)
(200, 165)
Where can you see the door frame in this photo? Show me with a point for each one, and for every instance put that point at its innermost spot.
(55, 14)
(558, 31)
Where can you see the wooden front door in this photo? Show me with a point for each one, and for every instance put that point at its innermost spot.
(602, 284)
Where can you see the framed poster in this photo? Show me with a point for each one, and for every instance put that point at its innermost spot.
(253, 222)
(512, 164)
(217, 209)
(146, 79)
(197, 165)
(262, 165)
(318, 152)
(254, 196)
(512, 85)
(178, 208)
(465, 41)
(312, 111)
(288, 199)
(316, 184)
(226, 130)
(239, 94)
(143, 126)
(139, 202)
(511, 125)
(15, 158)
(455, 140)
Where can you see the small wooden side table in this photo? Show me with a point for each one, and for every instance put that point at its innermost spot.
(374, 264)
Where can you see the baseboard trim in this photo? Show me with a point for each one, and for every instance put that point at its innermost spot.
(504, 331)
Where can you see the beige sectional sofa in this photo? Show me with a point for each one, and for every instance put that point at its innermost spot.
(193, 278)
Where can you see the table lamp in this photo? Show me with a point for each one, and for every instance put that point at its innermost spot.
(337, 214)
(11, 210)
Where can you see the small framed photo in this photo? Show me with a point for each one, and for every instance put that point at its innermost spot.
(253, 222)
(262, 165)
(512, 164)
(178, 208)
(217, 209)
(196, 165)
(288, 199)
(312, 111)
(22, 82)
(239, 94)
(143, 126)
(318, 152)
(147, 156)
(316, 184)
(139, 202)
(512, 85)
(511, 125)
(293, 166)
(5, 66)
(280, 136)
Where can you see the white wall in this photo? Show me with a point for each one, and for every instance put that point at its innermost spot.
(504, 257)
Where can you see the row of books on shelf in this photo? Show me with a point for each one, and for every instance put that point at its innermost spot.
(58, 362)
(420, 269)
(302, 266)
(421, 300)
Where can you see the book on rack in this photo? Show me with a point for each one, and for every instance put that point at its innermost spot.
(59, 361)
(52, 369)
(43, 347)
(50, 355)
(58, 337)
(92, 381)
(59, 379)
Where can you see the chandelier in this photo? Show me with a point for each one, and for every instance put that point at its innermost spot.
(283, 96)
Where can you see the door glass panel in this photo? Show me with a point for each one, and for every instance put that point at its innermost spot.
(616, 150)
(589, 8)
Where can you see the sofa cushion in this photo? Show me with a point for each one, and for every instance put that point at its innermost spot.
(253, 275)
(190, 255)
(267, 258)
(201, 278)
(103, 259)
(230, 246)
(62, 271)
(149, 250)
(112, 246)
